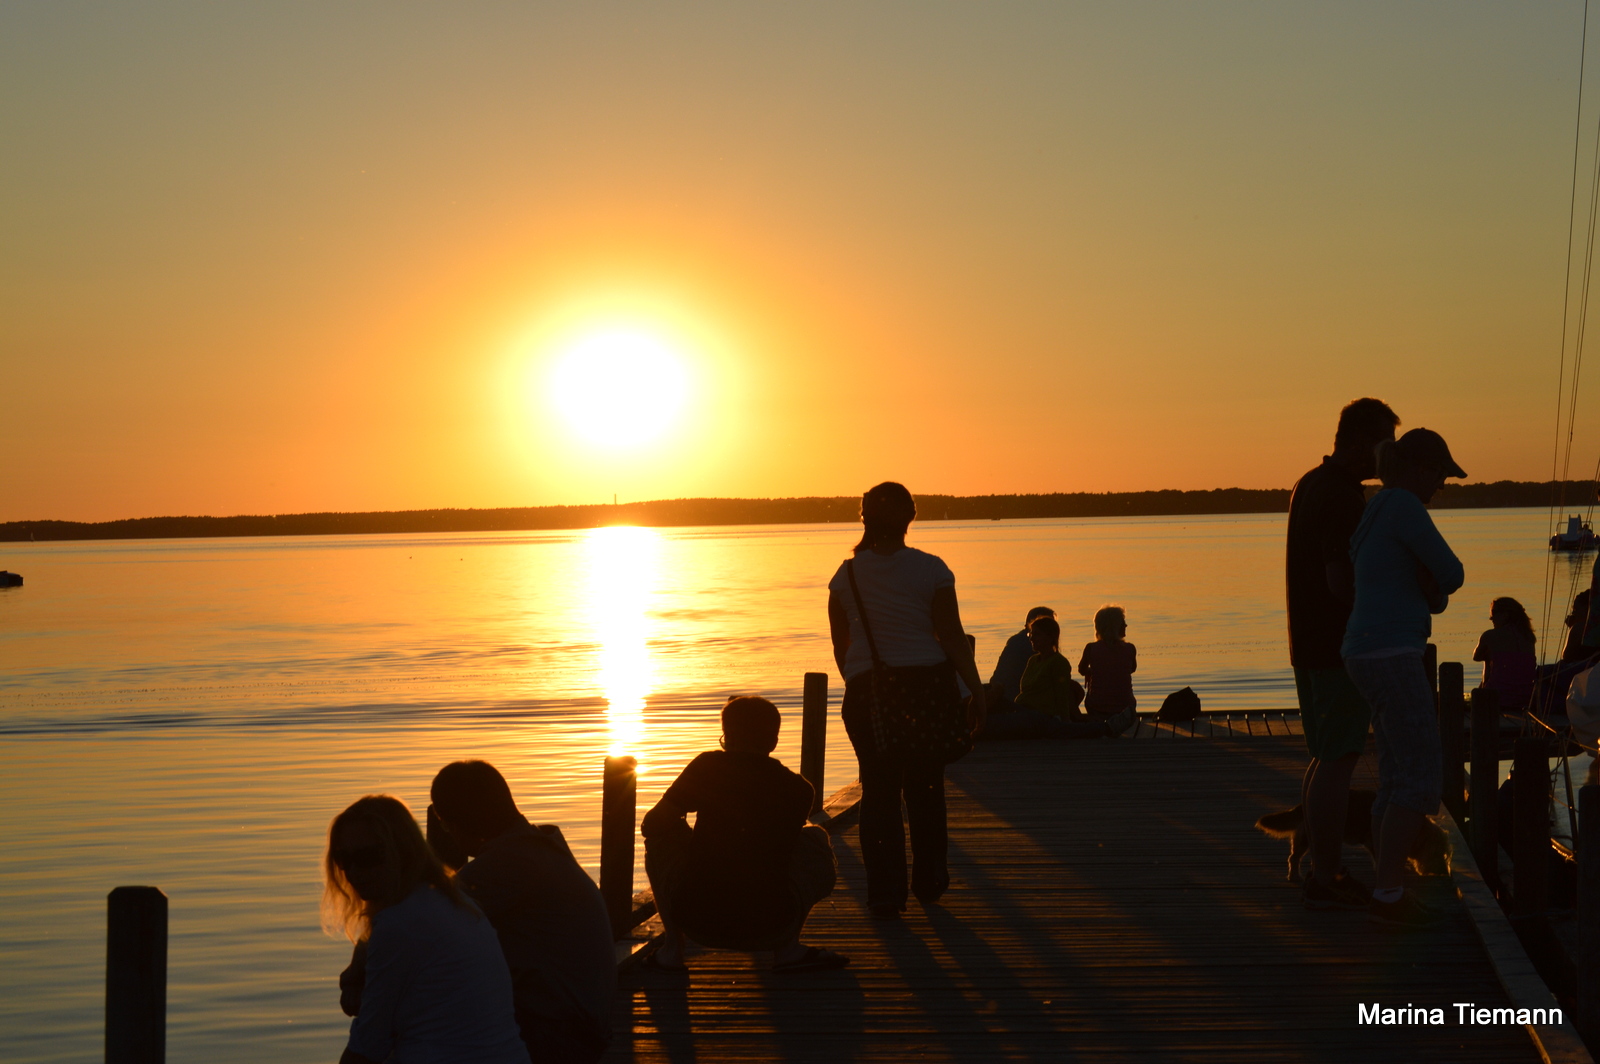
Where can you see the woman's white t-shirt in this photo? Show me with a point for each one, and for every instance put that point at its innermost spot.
(897, 591)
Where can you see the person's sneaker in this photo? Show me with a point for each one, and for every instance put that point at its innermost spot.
(1407, 914)
(1326, 897)
(1346, 883)
(1121, 721)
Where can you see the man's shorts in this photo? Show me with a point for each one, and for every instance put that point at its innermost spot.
(1332, 712)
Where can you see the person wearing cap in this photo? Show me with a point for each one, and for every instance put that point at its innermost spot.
(1324, 510)
(1404, 573)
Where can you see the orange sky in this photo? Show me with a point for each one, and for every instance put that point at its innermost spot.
(280, 258)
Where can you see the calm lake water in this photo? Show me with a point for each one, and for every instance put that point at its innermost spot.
(190, 713)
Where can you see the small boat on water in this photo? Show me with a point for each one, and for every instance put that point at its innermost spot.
(1578, 536)
(10, 579)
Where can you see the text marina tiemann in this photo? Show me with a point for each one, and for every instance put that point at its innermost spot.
(1467, 1013)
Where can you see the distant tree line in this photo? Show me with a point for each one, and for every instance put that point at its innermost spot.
(669, 513)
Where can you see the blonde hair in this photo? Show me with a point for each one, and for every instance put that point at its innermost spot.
(1102, 622)
(404, 850)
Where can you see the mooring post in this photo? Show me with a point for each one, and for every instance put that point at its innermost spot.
(1452, 737)
(1531, 810)
(1588, 905)
(814, 734)
(1485, 782)
(136, 976)
(1430, 665)
(619, 796)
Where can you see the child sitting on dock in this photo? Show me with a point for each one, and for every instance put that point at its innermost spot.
(1048, 698)
(1507, 653)
(1007, 677)
(1108, 665)
(747, 874)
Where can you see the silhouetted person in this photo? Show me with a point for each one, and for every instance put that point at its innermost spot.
(1324, 510)
(1108, 665)
(1508, 654)
(436, 989)
(551, 919)
(1577, 624)
(910, 599)
(746, 875)
(1007, 677)
(1405, 572)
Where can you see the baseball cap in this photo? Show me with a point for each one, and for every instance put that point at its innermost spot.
(1424, 447)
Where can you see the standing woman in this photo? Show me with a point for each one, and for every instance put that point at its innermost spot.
(910, 603)
(1404, 573)
(436, 988)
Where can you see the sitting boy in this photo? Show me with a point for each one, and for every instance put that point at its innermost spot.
(747, 874)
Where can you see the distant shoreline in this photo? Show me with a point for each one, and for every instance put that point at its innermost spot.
(677, 513)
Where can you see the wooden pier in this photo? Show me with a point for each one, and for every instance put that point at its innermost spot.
(1110, 900)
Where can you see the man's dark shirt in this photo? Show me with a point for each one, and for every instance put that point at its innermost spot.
(553, 927)
(749, 809)
(1323, 511)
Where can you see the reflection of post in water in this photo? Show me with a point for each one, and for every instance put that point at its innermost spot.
(623, 575)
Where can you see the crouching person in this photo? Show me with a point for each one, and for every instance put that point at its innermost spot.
(747, 874)
(549, 915)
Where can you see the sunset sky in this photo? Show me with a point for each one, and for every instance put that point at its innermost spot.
(262, 258)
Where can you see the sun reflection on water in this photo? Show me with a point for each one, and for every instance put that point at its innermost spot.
(623, 576)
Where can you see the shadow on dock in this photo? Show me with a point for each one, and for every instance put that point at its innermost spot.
(1109, 900)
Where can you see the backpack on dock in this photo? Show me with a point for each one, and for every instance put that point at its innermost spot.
(1179, 706)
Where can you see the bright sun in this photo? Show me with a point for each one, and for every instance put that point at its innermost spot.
(619, 387)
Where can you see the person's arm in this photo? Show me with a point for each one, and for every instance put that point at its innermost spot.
(838, 630)
(1133, 659)
(1415, 529)
(947, 626)
(660, 816)
(1482, 653)
(352, 980)
(1341, 576)
(1083, 662)
(389, 972)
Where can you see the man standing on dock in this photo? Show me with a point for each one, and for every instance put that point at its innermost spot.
(1323, 511)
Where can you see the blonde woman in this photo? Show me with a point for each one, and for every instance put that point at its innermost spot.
(436, 989)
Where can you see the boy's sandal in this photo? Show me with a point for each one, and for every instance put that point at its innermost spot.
(815, 959)
(654, 963)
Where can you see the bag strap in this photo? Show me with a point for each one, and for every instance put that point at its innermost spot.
(861, 610)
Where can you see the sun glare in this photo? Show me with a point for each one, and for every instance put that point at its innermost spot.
(623, 574)
(620, 387)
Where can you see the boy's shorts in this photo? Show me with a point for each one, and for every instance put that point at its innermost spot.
(1332, 712)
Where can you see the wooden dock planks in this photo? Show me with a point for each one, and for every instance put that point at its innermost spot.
(1110, 901)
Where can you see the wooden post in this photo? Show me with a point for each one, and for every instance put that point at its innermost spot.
(1588, 905)
(814, 734)
(1531, 845)
(136, 976)
(1430, 665)
(1452, 737)
(1485, 782)
(619, 797)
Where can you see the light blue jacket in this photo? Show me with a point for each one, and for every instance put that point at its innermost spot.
(1395, 536)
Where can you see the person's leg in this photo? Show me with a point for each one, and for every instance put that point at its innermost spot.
(1327, 798)
(925, 811)
(1409, 767)
(666, 854)
(1343, 721)
(812, 872)
(882, 834)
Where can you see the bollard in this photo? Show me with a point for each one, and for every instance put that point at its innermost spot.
(1485, 782)
(619, 798)
(136, 976)
(1588, 905)
(1430, 665)
(1530, 848)
(814, 734)
(1452, 736)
